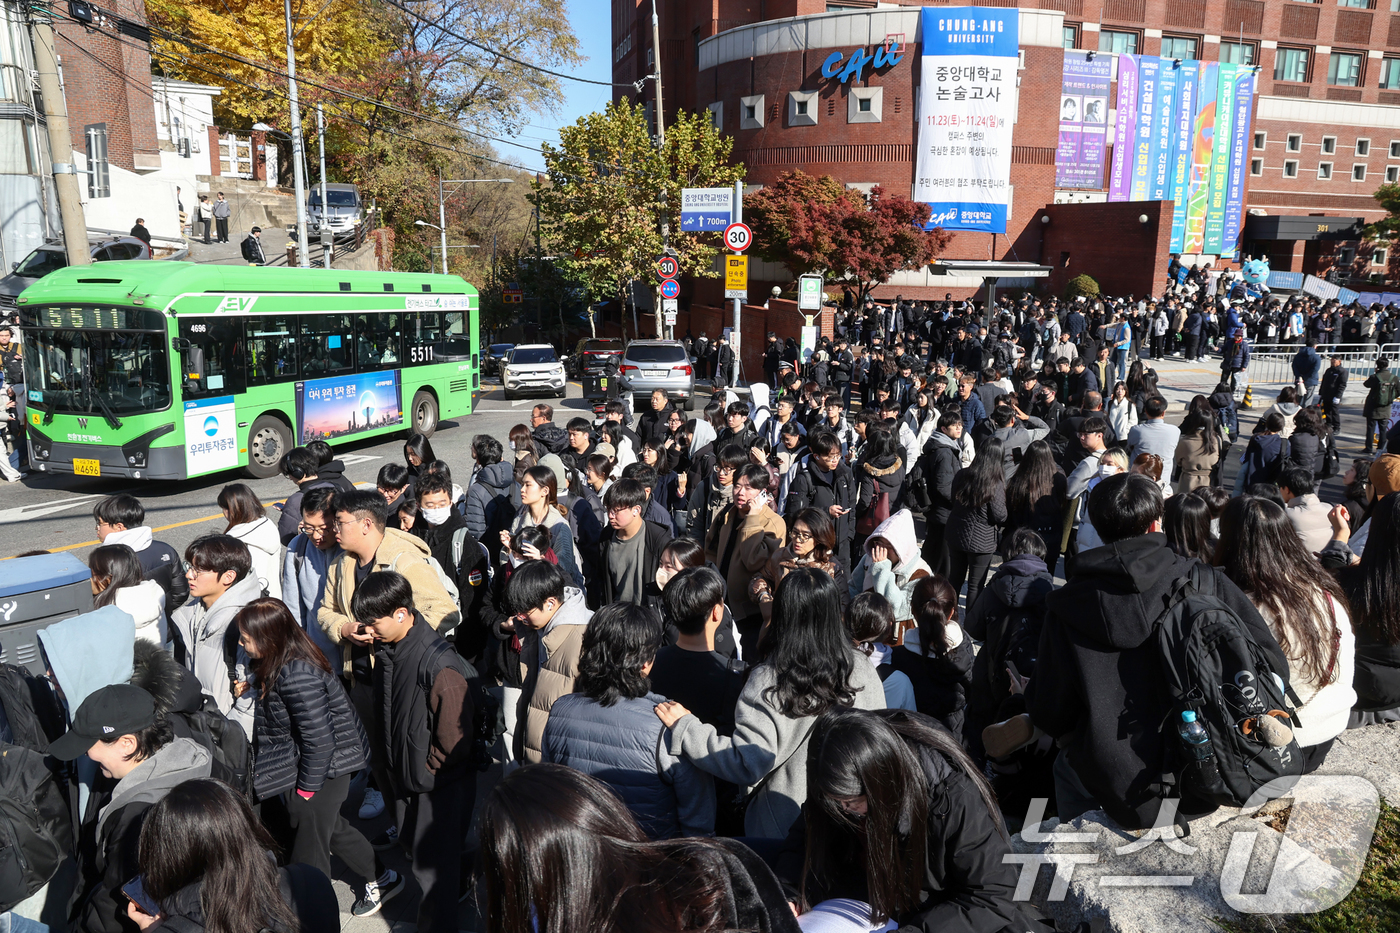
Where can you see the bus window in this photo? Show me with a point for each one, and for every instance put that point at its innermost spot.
(211, 356)
(458, 342)
(422, 337)
(377, 341)
(272, 349)
(326, 344)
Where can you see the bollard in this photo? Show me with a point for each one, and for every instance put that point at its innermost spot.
(291, 255)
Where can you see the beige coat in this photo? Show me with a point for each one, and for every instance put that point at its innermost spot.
(548, 667)
(401, 552)
(761, 534)
(1194, 461)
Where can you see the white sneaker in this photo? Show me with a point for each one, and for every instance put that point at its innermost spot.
(373, 804)
(377, 892)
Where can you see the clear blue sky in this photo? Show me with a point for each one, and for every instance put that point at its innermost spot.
(592, 23)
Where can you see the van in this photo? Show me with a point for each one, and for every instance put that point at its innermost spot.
(345, 208)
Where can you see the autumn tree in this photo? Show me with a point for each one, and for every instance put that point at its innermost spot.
(816, 224)
(609, 189)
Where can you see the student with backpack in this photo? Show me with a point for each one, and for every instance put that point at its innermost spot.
(308, 558)
(309, 743)
(1106, 693)
(423, 704)
(221, 583)
(461, 556)
(121, 520)
(301, 466)
(1383, 387)
(117, 728)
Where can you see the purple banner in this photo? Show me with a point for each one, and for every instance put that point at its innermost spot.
(1083, 121)
(1125, 129)
(1239, 131)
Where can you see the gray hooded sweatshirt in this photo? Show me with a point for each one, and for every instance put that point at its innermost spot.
(204, 631)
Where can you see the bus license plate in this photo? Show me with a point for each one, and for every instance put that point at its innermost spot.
(87, 467)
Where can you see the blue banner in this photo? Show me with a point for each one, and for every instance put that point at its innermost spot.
(1239, 153)
(1163, 140)
(967, 101)
(1182, 124)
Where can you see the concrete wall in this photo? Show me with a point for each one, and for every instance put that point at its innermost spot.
(1109, 242)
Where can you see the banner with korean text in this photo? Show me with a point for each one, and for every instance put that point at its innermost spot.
(1083, 120)
(1182, 135)
(967, 105)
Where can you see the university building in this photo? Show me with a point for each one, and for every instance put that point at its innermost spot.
(833, 87)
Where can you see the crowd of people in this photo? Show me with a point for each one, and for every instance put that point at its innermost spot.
(795, 662)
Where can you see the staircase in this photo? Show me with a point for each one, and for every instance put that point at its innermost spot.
(252, 203)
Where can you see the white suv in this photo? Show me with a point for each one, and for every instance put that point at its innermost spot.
(532, 368)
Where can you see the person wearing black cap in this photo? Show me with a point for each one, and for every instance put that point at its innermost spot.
(118, 728)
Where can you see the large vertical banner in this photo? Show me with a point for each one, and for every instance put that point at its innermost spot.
(1162, 138)
(1182, 122)
(1148, 69)
(1220, 158)
(1125, 129)
(1202, 145)
(1239, 153)
(1083, 120)
(967, 104)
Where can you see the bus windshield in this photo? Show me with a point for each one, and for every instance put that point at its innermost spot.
(104, 372)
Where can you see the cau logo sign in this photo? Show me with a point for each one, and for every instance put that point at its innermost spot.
(843, 69)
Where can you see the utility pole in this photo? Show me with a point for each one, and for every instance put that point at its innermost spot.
(661, 146)
(298, 175)
(65, 176)
(736, 216)
(442, 223)
(327, 249)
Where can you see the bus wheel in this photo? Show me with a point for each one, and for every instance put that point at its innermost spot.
(425, 413)
(268, 442)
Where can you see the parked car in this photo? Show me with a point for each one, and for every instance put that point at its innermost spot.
(345, 209)
(598, 354)
(495, 355)
(648, 365)
(53, 256)
(533, 368)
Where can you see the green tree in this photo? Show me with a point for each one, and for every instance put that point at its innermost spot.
(609, 189)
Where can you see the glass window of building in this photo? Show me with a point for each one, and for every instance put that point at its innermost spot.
(1291, 65)
(1113, 40)
(1182, 47)
(1344, 69)
(1237, 53)
(1390, 73)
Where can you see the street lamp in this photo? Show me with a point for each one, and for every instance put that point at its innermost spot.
(441, 225)
(445, 247)
(303, 259)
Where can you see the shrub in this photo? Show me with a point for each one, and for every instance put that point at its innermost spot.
(1082, 285)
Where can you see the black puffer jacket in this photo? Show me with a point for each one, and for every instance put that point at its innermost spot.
(305, 732)
(974, 530)
(1015, 598)
(940, 683)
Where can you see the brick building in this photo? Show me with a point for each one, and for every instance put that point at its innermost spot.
(1325, 129)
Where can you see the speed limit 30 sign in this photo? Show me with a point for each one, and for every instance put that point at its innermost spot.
(738, 237)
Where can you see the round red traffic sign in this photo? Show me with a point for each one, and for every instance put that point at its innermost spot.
(667, 267)
(670, 288)
(738, 237)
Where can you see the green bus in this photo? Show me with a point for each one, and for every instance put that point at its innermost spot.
(167, 370)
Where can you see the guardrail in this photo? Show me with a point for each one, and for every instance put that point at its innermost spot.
(1272, 363)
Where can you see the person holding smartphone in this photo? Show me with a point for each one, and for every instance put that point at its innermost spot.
(741, 542)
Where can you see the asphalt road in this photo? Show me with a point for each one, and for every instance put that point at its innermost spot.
(55, 512)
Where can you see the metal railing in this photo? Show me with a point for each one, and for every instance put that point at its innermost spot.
(1272, 363)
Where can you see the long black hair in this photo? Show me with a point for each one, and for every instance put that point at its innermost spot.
(1034, 479)
(809, 650)
(933, 602)
(1200, 419)
(979, 483)
(561, 854)
(421, 448)
(1261, 552)
(619, 641)
(1377, 603)
(204, 832)
(876, 755)
(114, 566)
(1187, 524)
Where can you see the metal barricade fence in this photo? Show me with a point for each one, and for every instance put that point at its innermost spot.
(1271, 364)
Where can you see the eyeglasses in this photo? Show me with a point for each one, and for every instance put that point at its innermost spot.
(189, 568)
(621, 510)
(801, 536)
(312, 529)
(723, 469)
(339, 525)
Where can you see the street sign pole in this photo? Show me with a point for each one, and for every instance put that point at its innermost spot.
(736, 215)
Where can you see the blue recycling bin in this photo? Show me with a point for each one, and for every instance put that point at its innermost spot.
(36, 592)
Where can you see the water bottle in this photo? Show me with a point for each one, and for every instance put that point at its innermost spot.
(1194, 737)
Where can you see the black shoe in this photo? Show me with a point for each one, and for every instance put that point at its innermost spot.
(386, 840)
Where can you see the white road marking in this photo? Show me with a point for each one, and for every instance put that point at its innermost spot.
(10, 516)
(349, 459)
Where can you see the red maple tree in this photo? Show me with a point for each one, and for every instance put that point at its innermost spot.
(812, 223)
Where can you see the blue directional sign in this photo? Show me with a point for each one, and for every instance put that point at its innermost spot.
(670, 288)
(706, 208)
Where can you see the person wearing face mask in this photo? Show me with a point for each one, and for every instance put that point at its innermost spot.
(461, 556)
(631, 547)
(1112, 463)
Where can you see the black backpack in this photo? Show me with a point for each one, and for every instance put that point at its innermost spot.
(36, 831)
(223, 738)
(1211, 664)
(488, 720)
(29, 705)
